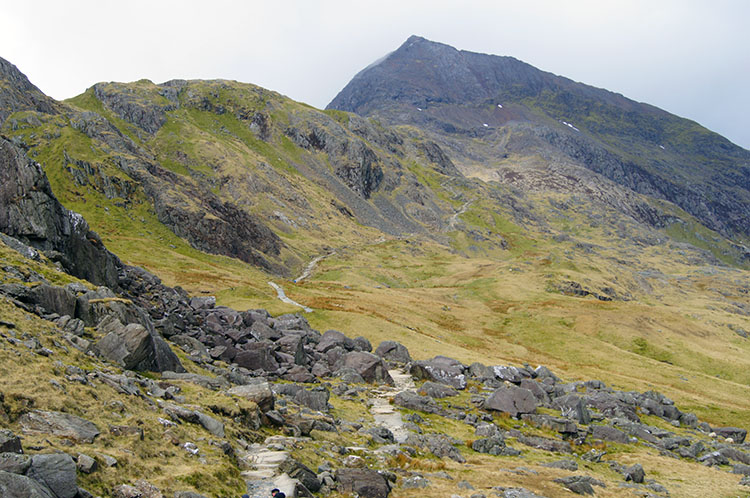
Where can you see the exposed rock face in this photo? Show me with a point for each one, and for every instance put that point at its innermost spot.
(31, 213)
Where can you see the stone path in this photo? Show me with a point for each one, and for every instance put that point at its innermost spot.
(283, 297)
(311, 266)
(264, 461)
(383, 412)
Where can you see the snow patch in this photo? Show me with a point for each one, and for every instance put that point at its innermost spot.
(569, 125)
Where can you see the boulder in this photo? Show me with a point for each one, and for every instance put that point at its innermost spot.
(494, 445)
(59, 424)
(134, 347)
(393, 351)
(413, 401)
(736, 434)
(86, 464)
(315, 399)
(513, 400)
(57, 472)
(332, 339)
(435, 390)
(369, 366)
(606, 433)
(366, 483)
(257, 356)
(441, 369)
(261, 394)
(15, 463)
(634, 473)
(14, 485)
(9, 442)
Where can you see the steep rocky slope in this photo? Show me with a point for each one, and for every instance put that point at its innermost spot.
(505, 120)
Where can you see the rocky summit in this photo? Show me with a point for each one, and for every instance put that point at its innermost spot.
(466, 278)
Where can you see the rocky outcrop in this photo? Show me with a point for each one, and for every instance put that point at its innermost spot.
(59, 424)
(31, 213)
(18, 94)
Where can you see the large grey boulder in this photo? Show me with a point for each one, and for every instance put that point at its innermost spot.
(435, 390)
(257, 356)
(59, 424)
(332, 339)
(441, 369)
(513, 400)
(369, 366)
(393, 351)
(55, 471)
(18, 486)
(606, 433)
(413, 401)
(261, 394)
(366, 483)
(135, 347)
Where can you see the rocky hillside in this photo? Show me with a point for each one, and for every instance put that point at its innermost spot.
(142, 391)
(546, 332)
(502, 119)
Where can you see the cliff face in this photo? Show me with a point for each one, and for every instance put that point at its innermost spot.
(31, 213)
(495, 112)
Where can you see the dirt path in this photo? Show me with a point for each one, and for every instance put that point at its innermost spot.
(383, 412)
(283, 298)
(311, 266)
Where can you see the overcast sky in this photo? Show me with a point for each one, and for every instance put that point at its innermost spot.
(689, 57)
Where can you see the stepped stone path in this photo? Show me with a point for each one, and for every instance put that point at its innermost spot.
(265, 460)
(383, 412)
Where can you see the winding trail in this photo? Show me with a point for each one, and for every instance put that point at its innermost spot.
(383, 411)
(311, 266)
(283, 298)
(454, 219)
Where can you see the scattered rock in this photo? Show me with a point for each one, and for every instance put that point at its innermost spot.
(59, 424)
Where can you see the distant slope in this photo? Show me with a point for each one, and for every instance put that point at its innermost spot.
(502, 119)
